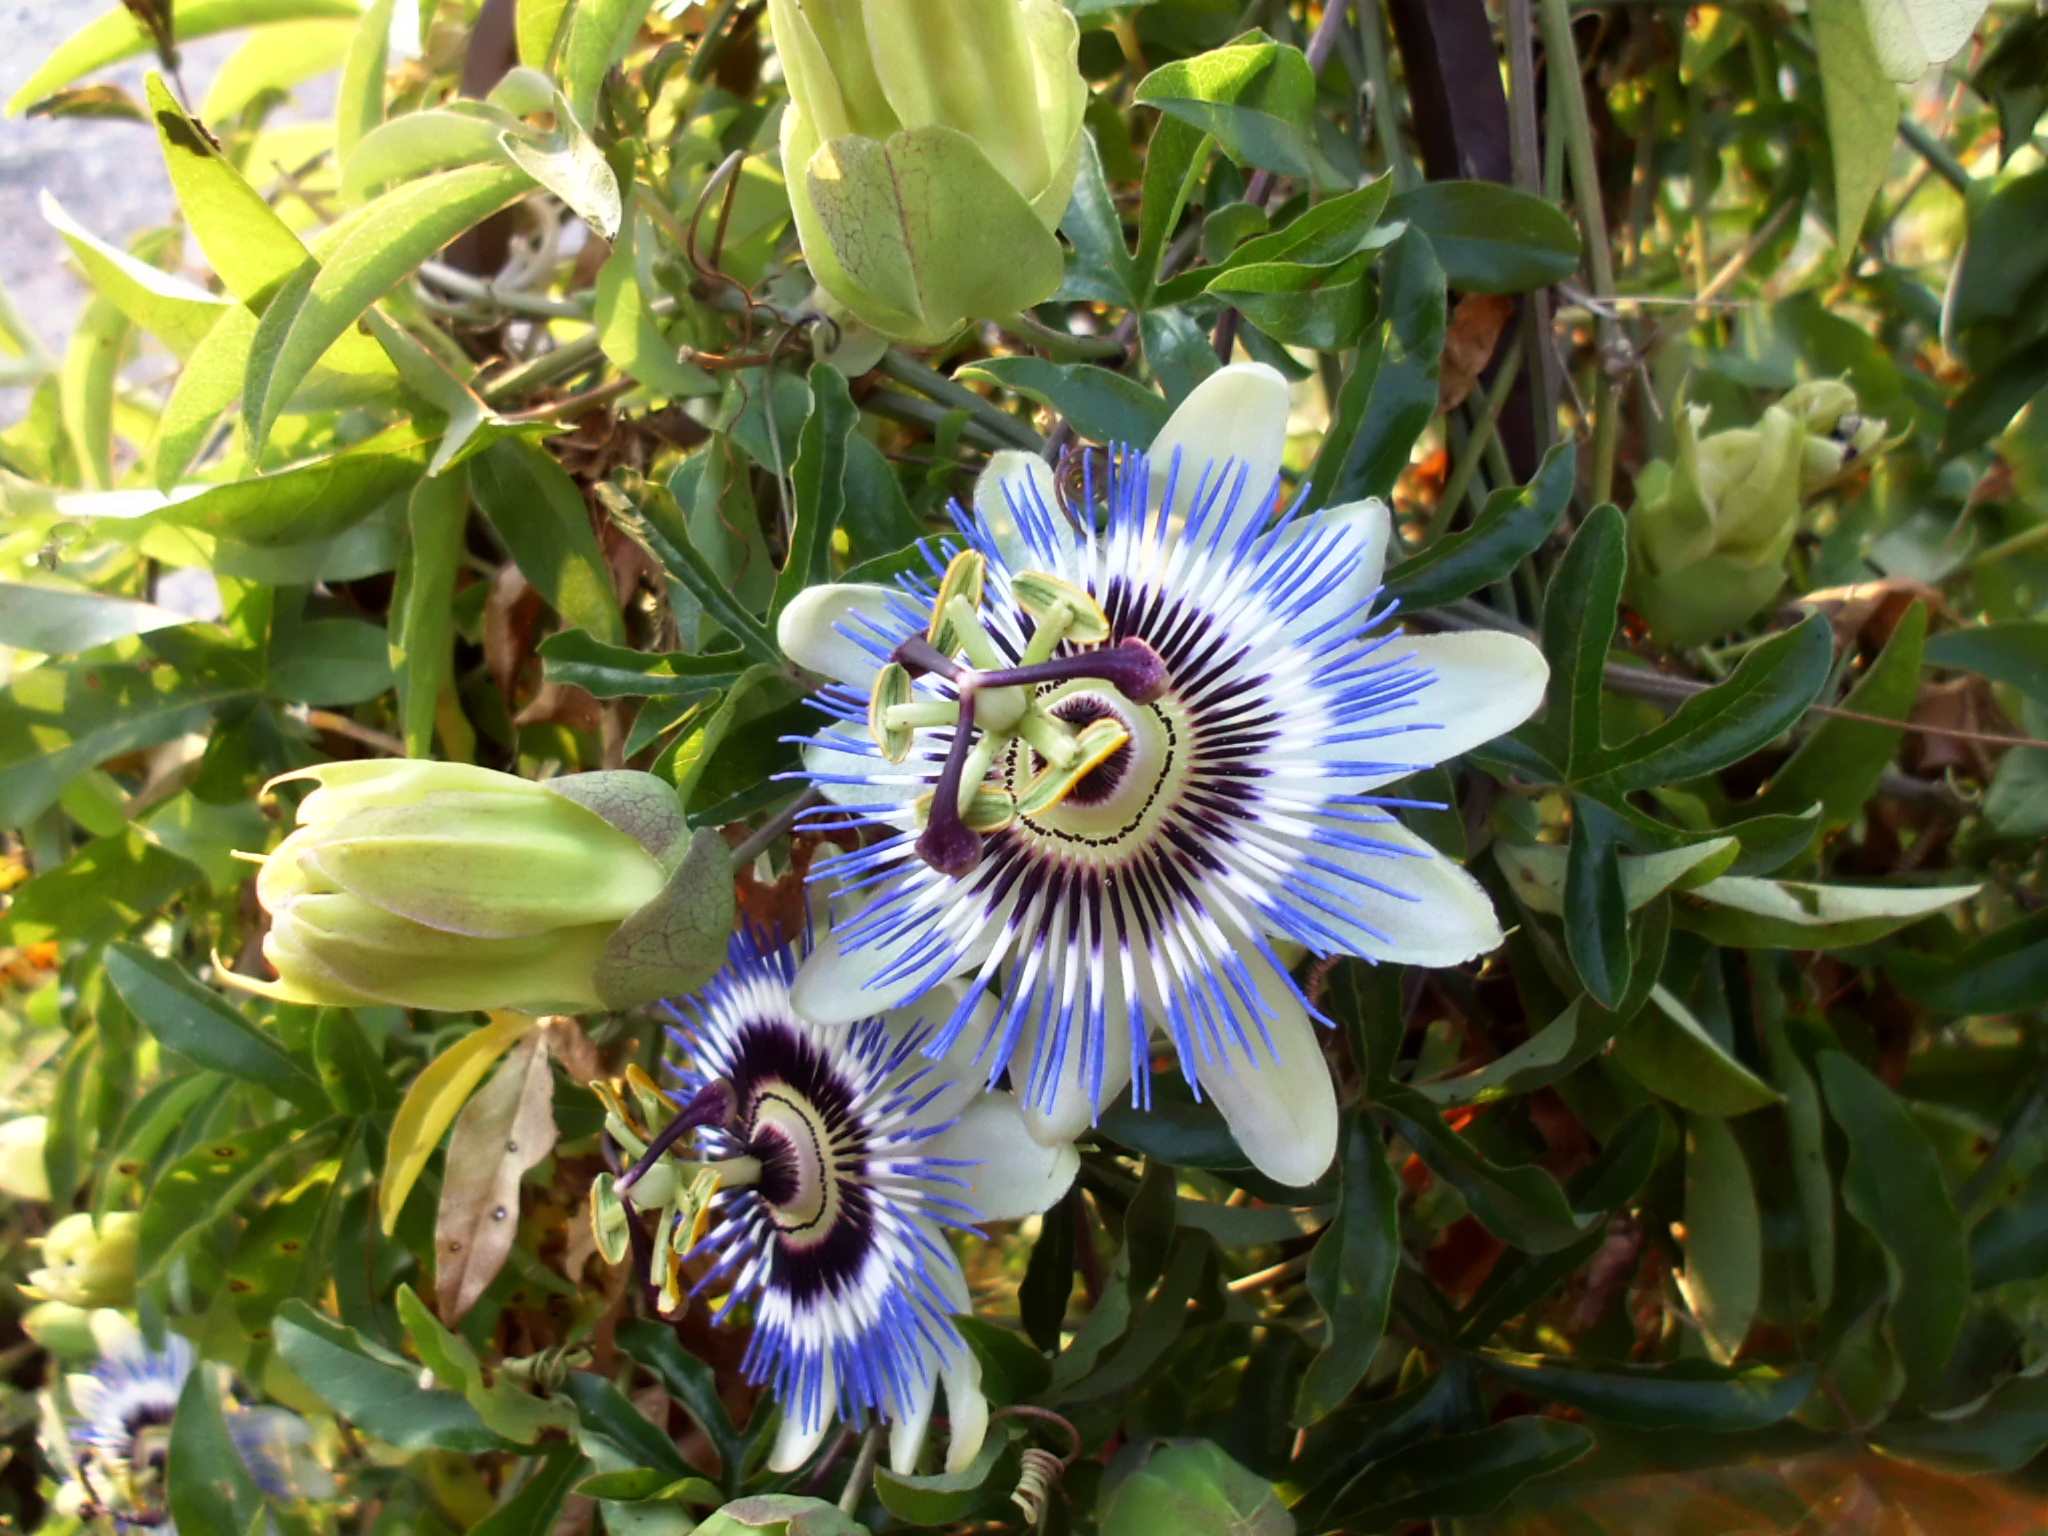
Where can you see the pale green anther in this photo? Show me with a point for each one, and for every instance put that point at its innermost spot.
(1097, 742)
(979, 761)
(610, 1226)
(1046, 597)
(1050, 738)
(891, 696)
(966, 575)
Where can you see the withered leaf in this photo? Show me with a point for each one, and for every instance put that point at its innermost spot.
(506, 1129)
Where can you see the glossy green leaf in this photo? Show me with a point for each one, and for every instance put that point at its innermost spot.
(543, 518)
(1255, 98)
(1520, 1205)
(1682, 1394)
(376, 1391)
(1671, 1053)
(198, 1025)
(1351, 1273)
(818, 481)
(1491, 238)
(1722, 1280)
(1101, 268)
(1894, 1188)
(1596, 903)
(982, 1487)
(1457, 1475)
(1515, 522)
(1102, 406)
(208, 1486)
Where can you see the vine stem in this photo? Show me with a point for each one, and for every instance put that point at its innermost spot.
(863, 1470)
(759, 839)
(1569, 91)
(934, 385)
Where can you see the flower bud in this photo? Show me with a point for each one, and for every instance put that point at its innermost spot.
(22, 1173)
(61, 1329)
(86, 1265)
(443, 886)
(1711, 526)
(930, 150)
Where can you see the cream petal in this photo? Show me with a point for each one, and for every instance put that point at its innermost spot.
(1282, 1111)
(907, 1430)
(838, 986)
(1074, 1106)
(852, 771)
(1015, 480)
(955, 1077)
(1013, 1174)
(88, 1395)
(1483, 684)
(797, 1442)
(966, 1407)
(1353, 537)
(1233, 423)
(818, 629)
(1441, 917)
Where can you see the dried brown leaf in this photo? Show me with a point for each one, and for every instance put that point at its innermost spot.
(507, 1128)
(1469, 343)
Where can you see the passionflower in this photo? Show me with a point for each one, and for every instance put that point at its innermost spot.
(842, 1156)
(120, 1438)
(1119, 751)
(88, 1262)
(930, 150)
(441, 885)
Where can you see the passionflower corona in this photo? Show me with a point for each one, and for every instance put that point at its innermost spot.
(120, 1439)
(1119, 750)
(842, 1156)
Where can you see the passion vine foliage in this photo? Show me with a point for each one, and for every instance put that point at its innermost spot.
(1121, 766)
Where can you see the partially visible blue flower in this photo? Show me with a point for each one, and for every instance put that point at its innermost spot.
(844, 1155)
(121, 1437)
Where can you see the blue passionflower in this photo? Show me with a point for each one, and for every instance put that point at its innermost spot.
(120, 1440)
(844, 1155)
(1121, 747)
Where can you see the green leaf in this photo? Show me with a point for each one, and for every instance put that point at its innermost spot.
(620, 672)
(375, 1390)
(2015, 654)
(331, 662)
(1522, 1206)
(1457, 1475)
(414, 143)
(818, 481)
(117, 35)
(58, 621)
(1770, 690)
(111, 885)
(2004, 1433)
(1862, 108)
(1326, 235)
(1100, 268)
(610, 1418)
(1595, 903)
(1351, 1272)
(532, 1511)
(627, 328)
(2014, 79)
(196, 1024)
(1722, 1280)
(1894, 1188)
(689, 1381)
(377, 249)
(423, 637)
(1193, 1488)
(176, 312)
(1987, 406)
(781, 1514)
(85, 390)
(1675, 1394)
(595, 36)
(1048, 1282)
(1324, 307)
(1174, 162)
(208, 1486)
(981, 1487)
(210, 1185)
(2006, 971)
(1747, 913)
(1838, 766)
(657, 525)
(359, 103)
(1579, 610)
(1255, 97)
(1390, 394)
(1101, 406)
(1671, 1053)
(542, 517)
(1491, 238)
(1512, 525)
(569, 164)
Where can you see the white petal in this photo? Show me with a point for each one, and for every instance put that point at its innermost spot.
(837, 986)
(88, 1395)
(966, 1407)
(1283, 1112)
(1237, 414)
(843, 752)
(796, 1442)
(1483, 684)
(1013, 1174)
(1353, 537)
(956, 1075)
(1448, 921)
(1074, 1106)
(818, 629)
(1015, 479)
(907, 1432)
